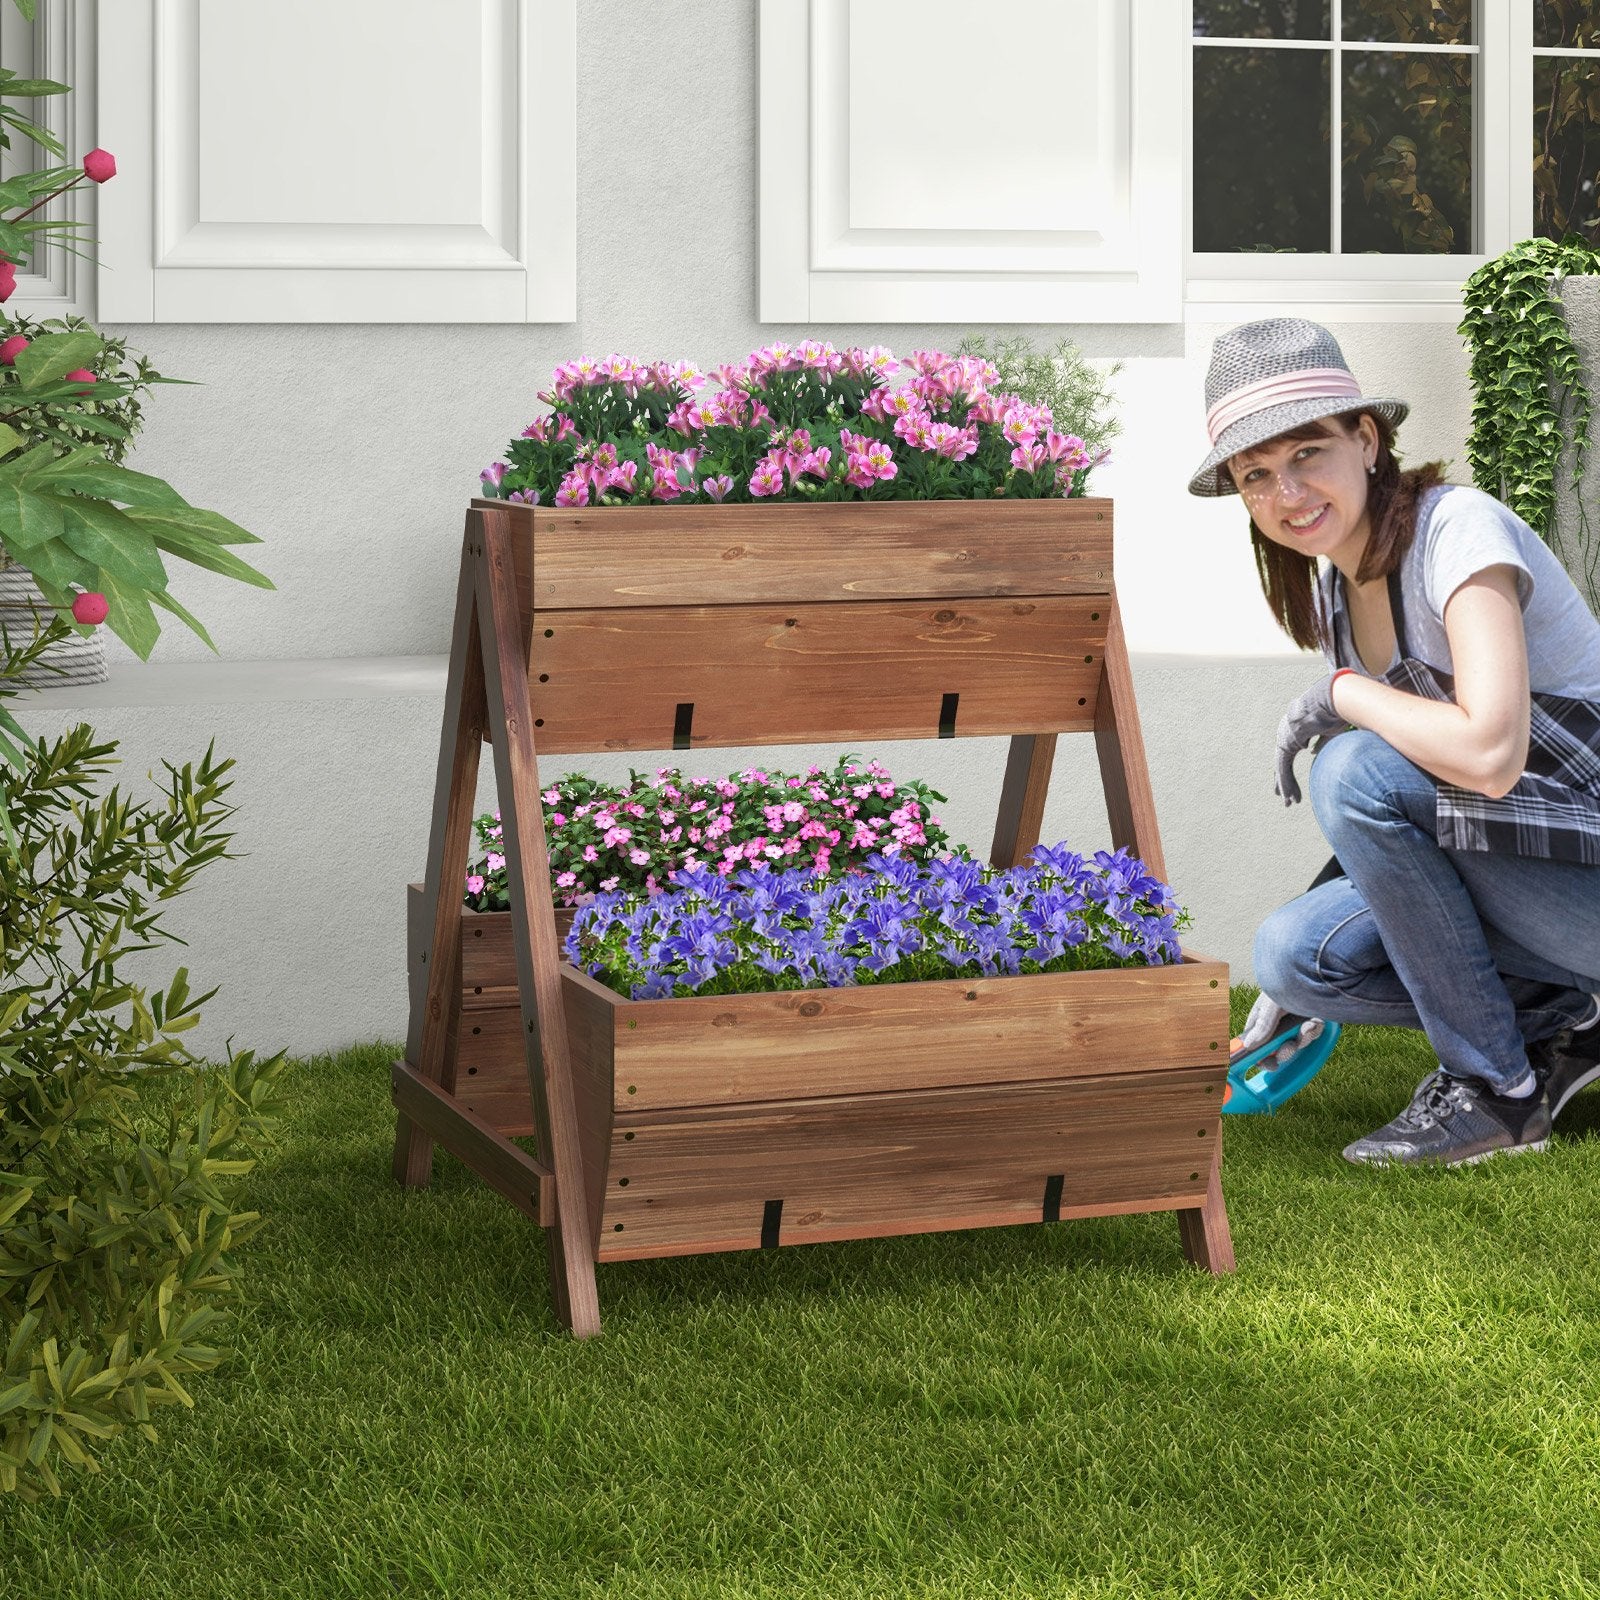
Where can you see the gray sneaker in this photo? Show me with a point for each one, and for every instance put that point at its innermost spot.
(1566, 1063)
(1452, 1122)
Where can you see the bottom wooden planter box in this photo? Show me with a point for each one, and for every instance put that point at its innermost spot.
(738, 1121)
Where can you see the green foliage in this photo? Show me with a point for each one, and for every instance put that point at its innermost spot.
(1077, 392)
(77, 518)
(110, 415)
(119, 1149)
(1526, 378)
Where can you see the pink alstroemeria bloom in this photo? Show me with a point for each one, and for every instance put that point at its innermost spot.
(685, 419)
(880, 457)
(876, 404)
(767, 479)
(538, 429)
(1027, 457)
(855, 443)
(574, 490)
(491, 475)
(1067, 448)
(926, 361)
(1018, 427)
(525, 497)
(954, 443)
(880, 359)
(718, 487)
(664, 486)
(565, 426)
(815, 462)
(916, 429)
(622, 477)
(859, 473)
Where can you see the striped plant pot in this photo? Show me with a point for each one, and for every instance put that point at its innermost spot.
(76, 659)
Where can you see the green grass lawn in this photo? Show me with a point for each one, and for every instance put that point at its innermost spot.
(1398, 1394)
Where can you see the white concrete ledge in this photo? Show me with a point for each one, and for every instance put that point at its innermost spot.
(192, 683)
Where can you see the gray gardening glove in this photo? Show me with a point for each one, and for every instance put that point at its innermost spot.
(1310, 717)
(1267, 1019)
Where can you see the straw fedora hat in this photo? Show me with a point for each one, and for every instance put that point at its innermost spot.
(1268, 377)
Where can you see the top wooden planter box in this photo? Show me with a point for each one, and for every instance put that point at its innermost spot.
(671, 1126)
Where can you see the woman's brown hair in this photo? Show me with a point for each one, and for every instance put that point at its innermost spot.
(1289, 579)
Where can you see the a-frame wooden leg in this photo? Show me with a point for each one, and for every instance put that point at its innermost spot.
(1130, 802)
(572, 1232)
(449, 841)
(1022, 797)
(1204, 1228)
(1131, 810)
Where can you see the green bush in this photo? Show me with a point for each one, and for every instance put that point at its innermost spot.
(120, 1150)
(1077, 392)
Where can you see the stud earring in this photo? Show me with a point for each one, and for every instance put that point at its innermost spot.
(1371, 470)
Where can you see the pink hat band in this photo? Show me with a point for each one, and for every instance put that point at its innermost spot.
(1311, 383)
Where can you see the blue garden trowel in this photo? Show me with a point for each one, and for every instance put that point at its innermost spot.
(1257, 1081)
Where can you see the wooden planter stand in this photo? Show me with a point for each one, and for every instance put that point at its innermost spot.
(668, 1127)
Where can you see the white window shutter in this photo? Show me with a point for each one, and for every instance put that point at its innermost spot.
(369, 161)
(925, 162)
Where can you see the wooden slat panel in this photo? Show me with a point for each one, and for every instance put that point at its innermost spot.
(681, 555)
(863, 1166)
(722, 1049)
(797, 674)
(522, 1180)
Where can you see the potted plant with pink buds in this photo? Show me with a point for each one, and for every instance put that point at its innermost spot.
(82, 536)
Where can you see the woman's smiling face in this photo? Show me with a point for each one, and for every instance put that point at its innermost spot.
(1310, 495)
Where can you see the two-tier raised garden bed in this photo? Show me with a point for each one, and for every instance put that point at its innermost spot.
(667, 1127)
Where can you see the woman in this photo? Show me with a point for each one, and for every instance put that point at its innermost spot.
(1457, 764)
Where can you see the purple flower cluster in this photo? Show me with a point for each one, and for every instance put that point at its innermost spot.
(899, 921)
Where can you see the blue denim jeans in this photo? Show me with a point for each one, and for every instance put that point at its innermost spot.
(1484, 952)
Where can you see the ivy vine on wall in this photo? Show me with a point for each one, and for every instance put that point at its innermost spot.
(1527, 383)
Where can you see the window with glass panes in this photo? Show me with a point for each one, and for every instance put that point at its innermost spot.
(1566, 118)
(1393, 128)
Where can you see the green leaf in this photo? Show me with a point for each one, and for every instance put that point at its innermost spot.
(15, 192)
(27, 520)
(112, 539)
(87, 472)
(10, 439)
(161, 598)
(130, 616)
(59, 570)
(179, 541)
(213, 525)
(54, 355)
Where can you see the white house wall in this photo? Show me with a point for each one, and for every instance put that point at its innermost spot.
(352, 450)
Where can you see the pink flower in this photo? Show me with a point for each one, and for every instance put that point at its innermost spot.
(526, 497)
(494, 861)
(717, 488)
(99, 165)
(685, 419)
(880, 457)
(11, 349)
(664, 486)
(815, 462)
(859, 473)
(491, 475)
(767, 479)
(8, 278)
(566, 879)
(558, 818)
(590, 853)
(83, 376)
(1067, 448)
(1018, 426)
(622, 477)
(638, 857)
(916, 429)
(1027, 456)
(474, 883)
(955, 443)
(574, 490)
(551, 796)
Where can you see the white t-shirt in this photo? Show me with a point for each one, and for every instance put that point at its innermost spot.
(1461, 531)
